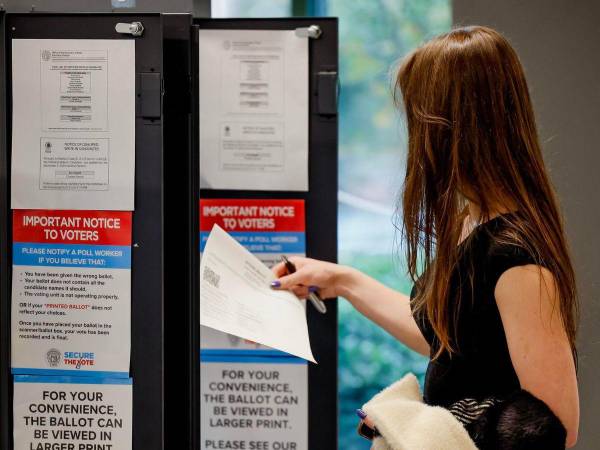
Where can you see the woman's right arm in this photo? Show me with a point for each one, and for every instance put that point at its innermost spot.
(387, 308)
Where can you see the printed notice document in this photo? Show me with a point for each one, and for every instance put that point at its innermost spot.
(253, 110)
(71, 293)
(72, 413)
(235, 298)
(73, 135)
(268, 228)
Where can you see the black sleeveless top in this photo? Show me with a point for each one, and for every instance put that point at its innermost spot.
(482, 366)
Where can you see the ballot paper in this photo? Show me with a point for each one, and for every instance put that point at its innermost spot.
(235, 297)
(73, 131)
(253, 110)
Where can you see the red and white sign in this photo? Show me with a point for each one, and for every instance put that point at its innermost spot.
(74, 227)
(236, 215)
(71, 292)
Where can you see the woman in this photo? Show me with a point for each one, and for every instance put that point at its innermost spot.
(494, 299)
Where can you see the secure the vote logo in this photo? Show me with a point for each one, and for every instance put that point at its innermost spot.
(79, 359)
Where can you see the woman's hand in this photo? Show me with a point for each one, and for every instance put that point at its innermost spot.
(384, 306)
(311, 275)
(366, 427)
(368, 422)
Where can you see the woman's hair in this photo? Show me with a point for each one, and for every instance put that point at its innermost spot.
(472, 136)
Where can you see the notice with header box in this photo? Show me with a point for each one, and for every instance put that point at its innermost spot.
(73, 124)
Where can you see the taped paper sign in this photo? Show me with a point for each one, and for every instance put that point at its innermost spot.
(73, 132)
(254, 403)
(253, 396)
(253, 110)
(72, 413)
(71, 292)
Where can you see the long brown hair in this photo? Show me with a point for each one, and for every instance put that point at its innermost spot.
(472, 135)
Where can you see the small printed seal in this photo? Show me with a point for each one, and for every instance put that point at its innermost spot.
(53, 357)
(46, 55)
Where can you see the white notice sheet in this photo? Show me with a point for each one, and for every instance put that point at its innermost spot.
(235, 298)
(73, 135)
(253, 110)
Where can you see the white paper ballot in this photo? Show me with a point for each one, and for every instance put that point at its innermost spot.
(253, 110)
(235, 298)
(73, 136)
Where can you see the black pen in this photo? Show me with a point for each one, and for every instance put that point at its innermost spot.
(314, 298)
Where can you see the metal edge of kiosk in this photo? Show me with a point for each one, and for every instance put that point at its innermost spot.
(5, 262)
(178, 223)
(321, 213)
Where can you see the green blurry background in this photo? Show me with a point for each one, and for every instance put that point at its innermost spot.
(374, 35)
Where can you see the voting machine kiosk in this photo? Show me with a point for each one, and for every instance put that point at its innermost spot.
(123, 138)
(317, 382)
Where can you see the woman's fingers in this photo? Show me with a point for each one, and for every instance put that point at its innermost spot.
(289, 281)
(279, 269)
(300, 291)
(308, 278)
(368, 422)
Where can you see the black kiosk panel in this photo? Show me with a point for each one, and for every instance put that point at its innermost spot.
(147, 261)
(320, 207)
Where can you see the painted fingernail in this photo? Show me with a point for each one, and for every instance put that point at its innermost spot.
(360, 413)
(313, 288)
(275, 284)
